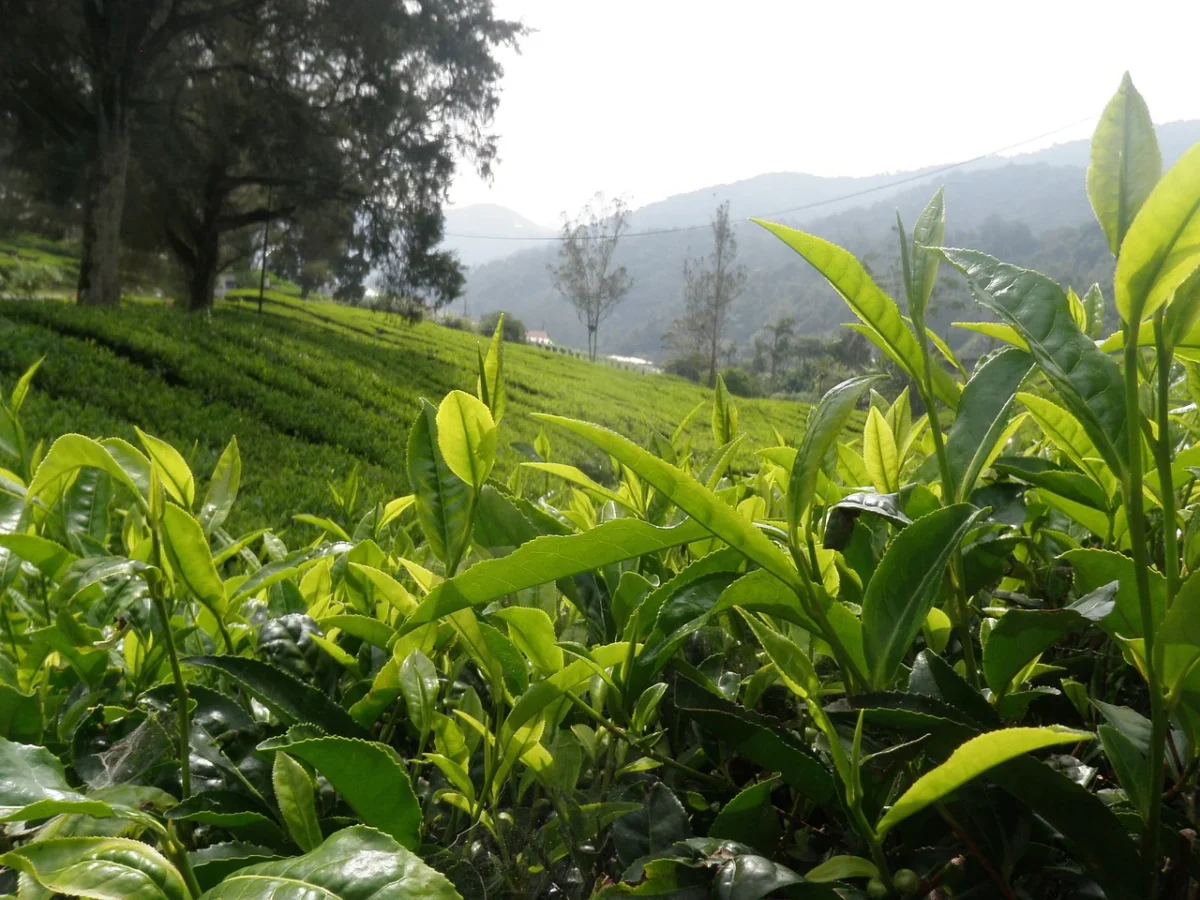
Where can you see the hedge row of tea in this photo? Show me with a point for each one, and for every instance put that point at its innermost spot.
(311, 390)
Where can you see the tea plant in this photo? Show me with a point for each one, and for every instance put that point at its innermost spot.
(945, 649)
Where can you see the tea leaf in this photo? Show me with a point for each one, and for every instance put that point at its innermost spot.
(987, 402)
(1162, 247)
(1125, 163)
(296, 798)
(443, 499)
(972, 759)
(880, 454)
(550, 558)
(1086, 379)
(191, 560)
(725, 415)
(905, 584)
(1133, 771)
(222, 489)
(825, 425)
(368, 775)
(99, 868)
(172, 468)
(866, 300)
(690, 496)
(356, 863)
(466, 436)
(287, 696)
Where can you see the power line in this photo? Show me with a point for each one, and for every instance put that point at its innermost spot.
(919, 176)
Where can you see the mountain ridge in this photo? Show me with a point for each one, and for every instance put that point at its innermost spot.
(1013, 206)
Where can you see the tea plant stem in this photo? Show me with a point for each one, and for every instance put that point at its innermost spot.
(178, 855)
(181, 693)
(975, 851)
(949, 495)
(1163, 458)
(8, 628)
(621, 734)
(1134, 503)
(1184, 777)
(810, 603)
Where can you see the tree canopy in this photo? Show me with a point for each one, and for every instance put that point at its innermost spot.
(189, 125)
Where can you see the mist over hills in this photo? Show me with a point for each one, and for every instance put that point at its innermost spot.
(1030, 209)
(487, 219)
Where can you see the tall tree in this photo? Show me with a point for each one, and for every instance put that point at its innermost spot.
(710, 287)
(778, 345)
(77, 69)
(352, 113)
(586, 274)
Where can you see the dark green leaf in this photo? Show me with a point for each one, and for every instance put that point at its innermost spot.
(1087, 379)
(933, 676)
(369, 776)
(286, 696)
(750, 818)
(215, 863)
(1133, 771)
(652, 829)
(1073, 485)
(224, 809)
(987, 403)
(757, 738)
(825, 426)
(1021, 634)
(904, 586)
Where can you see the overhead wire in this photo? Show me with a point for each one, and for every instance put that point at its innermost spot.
(816, 204)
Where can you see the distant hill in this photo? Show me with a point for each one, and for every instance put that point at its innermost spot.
(491, 220)
(1031, 209)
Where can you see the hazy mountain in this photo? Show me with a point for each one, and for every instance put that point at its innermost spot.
(1030, 209)
(493, 221)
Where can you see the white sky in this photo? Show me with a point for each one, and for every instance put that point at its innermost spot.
(649, 98)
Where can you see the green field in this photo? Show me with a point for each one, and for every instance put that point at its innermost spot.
(311, 389)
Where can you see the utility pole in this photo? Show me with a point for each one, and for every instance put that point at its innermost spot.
(262, 277)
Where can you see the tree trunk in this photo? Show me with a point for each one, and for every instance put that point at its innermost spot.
(99, 268)
(202, 272)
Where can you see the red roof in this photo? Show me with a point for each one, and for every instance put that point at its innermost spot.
(536, 336)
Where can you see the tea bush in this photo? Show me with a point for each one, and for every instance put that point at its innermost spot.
(945, 657)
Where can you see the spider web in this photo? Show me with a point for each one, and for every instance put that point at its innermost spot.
(132, 756)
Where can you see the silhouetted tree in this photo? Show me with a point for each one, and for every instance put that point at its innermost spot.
(586, 274)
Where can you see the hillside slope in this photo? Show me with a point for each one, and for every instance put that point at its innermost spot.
(311, 389)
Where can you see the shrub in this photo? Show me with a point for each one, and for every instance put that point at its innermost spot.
(741, 383)
(693, 368)
(514, 328)
(458, 323)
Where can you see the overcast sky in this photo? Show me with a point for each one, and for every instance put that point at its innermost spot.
(649, 98)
